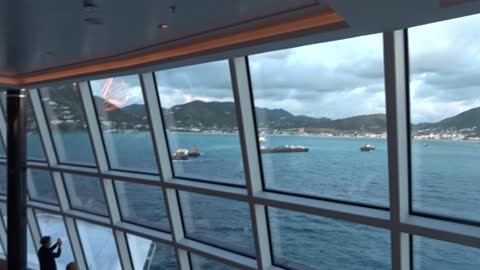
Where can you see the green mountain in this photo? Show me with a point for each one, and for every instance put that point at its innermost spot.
(66, 112)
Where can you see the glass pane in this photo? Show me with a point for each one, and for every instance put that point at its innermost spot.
(430, 254)
(201, 122)
(142, 204)
(202, 263)
(302, 241)
(3, 179)
(124, 122)
(98, 246)
(445, 113)
(32, 258)
(3, 209)
(34, 142)
(53, 226)
(3, 153)
(86, 193)
(150, 255)
(40, 186)
(320, 113)
(217, 221)
(64, 112)
(2, 252)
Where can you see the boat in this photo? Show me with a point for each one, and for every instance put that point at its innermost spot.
(181, 154)
(425, 144)
(194, 152)
(367, 148)
(262, 139)
(284, 149)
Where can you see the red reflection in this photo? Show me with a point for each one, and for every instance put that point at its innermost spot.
(114, 94)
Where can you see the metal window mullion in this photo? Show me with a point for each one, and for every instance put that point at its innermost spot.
(120, 238)
(161, 147)
(102, 163)
(75, 243)
(93, 126)
(251, 159)
(396, 86)
(42, 124)
(34, 228)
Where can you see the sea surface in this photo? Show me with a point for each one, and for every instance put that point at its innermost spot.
(445, 182)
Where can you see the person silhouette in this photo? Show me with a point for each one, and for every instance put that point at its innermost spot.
(46, 254)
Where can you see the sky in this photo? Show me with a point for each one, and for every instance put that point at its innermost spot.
(344, 78)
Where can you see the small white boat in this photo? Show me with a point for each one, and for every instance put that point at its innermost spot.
(262, 139)
(181, 154)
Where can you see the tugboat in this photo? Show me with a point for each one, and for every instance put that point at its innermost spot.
(181, 154)
(367, 148)
(194, 152)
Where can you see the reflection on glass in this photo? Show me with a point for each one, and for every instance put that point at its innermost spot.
(150, 255)
(430, 254)
(124, 122)
(86, 193)
(217, 221)
(202, 263)
(3, 180)
(201, 122)
(142, 204)
(445, 110)
(32, 259)
(98, 246)
(65, 116)
(53, 226)
(301, 241)
(320, 114)
(40, 186)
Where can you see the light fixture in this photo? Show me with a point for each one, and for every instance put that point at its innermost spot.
(163, 26)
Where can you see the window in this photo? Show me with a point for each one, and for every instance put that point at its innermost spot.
(124, 122)
(142, 204)
(201, 122)
(217, 221)
(320, 114)
(301, 241)
(438, 255)
(40, 186)
(444, 113)
(86, 193)
(202, 263)
(64, 112)
(53, 226)
(3, 180)
(98, 246)
(34, 143)
(3, 209)
(151, 255)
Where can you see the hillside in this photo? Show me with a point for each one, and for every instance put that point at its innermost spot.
(199, 115)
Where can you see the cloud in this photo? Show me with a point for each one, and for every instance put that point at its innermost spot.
(345, 78)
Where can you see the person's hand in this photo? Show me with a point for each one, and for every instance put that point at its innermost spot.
(59, 241)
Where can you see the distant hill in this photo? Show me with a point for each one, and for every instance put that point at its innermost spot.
(222, 116)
